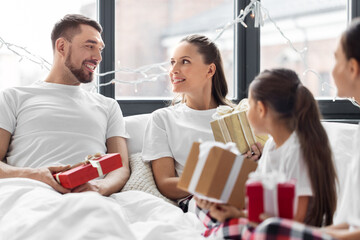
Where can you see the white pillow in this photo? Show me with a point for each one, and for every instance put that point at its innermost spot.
(141, 178)
(135, 127)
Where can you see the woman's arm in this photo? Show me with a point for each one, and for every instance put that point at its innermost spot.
(165, 178)
(302, 207)
(342, 233)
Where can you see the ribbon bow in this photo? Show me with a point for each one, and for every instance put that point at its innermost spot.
(89, 159)
(268, 180)
(224, 110)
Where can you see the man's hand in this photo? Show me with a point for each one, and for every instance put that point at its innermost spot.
(45, 174)
(94, 185)
(221, 212)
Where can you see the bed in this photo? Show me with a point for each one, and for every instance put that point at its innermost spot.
(32, 210)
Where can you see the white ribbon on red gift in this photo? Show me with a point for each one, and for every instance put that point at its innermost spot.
(270, 183)
(205, 148)
(57, 177)
(96, 164)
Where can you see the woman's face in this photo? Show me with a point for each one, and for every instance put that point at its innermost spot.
(188, 73)
(341, 73)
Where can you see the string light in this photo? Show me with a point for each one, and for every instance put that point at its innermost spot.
(143, 71)
(254, 8)
(22, 52)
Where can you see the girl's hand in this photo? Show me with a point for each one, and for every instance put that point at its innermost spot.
(203, 204)
(221, 212)
(256, 151)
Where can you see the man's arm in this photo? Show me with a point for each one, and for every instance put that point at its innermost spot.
(41, 174)
(115, 180)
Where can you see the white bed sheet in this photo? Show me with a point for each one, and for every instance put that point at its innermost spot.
(30, 209)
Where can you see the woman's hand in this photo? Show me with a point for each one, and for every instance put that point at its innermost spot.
(256, 151)
(221, 212)
(203, 204)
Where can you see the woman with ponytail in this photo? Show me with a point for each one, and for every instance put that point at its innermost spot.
(197, 76)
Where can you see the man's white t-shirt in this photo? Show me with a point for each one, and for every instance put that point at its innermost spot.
(54, 124)
(287, 158)
(171, 132)
(349, 208)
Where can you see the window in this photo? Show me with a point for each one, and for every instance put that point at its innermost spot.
(146, 32)
(29, 24)
(141, 33)
(315, 26)
(311, 25)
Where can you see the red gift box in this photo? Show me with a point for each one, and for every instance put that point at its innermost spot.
(283, 198)
(90, 169)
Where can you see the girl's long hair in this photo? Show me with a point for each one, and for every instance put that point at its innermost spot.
(282, 91)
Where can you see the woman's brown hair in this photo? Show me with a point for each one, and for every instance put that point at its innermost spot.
(211, 54)
(350, 40)
(282, 91)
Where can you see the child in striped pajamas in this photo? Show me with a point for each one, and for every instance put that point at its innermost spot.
(346, 74)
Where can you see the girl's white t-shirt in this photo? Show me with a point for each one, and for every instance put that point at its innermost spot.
(171, 132)
(349, 208)
(287, 158)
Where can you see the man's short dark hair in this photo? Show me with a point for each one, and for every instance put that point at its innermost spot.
(69, 26)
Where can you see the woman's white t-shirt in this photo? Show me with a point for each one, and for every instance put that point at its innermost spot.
(171, 132)
(287, 158)
(349, 209)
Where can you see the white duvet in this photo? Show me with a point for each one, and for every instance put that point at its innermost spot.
(32, 210)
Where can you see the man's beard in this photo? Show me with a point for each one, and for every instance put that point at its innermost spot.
(80, 74)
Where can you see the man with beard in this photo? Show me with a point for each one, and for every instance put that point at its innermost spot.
(52, 124)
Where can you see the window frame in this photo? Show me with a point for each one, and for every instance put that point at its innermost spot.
(342, 110)
(246, 62)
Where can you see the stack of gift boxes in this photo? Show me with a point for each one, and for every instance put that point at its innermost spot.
(218, 171)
